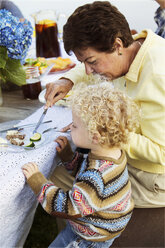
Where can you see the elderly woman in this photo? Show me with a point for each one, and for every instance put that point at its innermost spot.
(100, 37)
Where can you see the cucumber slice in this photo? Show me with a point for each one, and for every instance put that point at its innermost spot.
(36, 137)
(30, 144)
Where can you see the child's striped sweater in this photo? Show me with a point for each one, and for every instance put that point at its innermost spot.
(99, 205)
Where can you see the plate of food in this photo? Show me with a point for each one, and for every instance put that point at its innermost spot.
(17, 141)
(60, 64)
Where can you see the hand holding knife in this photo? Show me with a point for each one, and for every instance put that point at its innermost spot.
(40, 120)
(46, 109)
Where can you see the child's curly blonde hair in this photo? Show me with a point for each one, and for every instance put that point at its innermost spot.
(106, 112)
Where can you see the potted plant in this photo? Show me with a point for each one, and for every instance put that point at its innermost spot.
(15, 39)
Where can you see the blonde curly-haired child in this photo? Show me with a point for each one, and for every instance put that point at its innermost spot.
(99, 205)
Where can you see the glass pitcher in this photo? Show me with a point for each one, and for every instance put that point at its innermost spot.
(47, 44)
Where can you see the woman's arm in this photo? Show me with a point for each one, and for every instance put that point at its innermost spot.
(143, 148)
(57, 90)
(149, 144)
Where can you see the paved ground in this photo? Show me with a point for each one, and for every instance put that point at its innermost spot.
(15, 107)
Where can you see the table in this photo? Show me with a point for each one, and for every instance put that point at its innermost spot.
(17, 201)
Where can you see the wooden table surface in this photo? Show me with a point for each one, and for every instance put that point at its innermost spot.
(15, 107)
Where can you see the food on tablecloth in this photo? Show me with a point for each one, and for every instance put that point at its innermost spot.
(17, 142)
(12, 134)
(60, 64)
(36, 137)
(15, 137)
(30, 144)
(3, 142)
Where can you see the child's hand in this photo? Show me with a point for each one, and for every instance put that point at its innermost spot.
(66, 128)
(29, 169)
(62, 142)
(64, 149)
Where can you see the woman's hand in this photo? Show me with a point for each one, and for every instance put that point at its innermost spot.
(57, 91)
(29, 169)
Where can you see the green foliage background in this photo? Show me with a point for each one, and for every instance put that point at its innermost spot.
(11, 70)
(43, 231)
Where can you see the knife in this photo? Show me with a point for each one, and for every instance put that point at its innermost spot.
(31, 124)
(40, 120)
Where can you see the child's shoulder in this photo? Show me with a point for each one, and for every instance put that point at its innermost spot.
(103, 164)
(108, 159)
(102, 170)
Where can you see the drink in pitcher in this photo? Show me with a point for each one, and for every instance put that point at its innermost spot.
(47, 44)
(46, 28)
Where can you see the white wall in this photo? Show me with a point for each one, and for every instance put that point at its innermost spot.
(139, 13)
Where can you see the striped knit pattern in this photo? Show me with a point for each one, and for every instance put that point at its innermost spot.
(99, 205)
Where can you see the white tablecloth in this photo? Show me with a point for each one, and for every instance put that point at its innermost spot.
(17, 201)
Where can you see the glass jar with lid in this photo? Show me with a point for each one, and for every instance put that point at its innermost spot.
(32, 88)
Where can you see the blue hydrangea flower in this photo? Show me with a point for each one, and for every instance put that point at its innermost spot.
(16, 36)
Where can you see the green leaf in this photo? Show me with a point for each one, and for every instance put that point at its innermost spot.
(2, 79)
(29, 61)
(13, 72)
(43, 64)
(3, 56)
(35, 62)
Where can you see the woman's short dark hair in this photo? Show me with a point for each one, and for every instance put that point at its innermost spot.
(96, 25)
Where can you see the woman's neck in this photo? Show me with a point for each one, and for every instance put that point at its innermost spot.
(129, 55)
(114, 153)
(134, 48)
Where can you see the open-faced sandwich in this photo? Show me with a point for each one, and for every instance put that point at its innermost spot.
(15, 137)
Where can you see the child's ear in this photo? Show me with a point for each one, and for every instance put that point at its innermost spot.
(95, 139)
